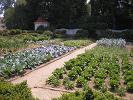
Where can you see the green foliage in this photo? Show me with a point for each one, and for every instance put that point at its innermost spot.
(98, 83)
(114, 84)
(70, 64)
(69, 85)
(88, 94)
(82, 34)
(20, 91)
(59, 73)
(53, 80)
(19, 40)
(127, 34)
(25, 12)
(121, 91)
(73, 74)
(130, 86)
(80, 82)
(103, 64)
(77, 43)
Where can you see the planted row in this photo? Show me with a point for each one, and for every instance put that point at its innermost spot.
(112, 42)
(14, 64)
(128, 73)
(101, 66)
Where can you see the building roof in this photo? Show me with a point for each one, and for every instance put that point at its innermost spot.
(40, 20)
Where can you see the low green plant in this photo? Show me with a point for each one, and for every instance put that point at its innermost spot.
(69, 85)
(20, 91)
(77, 43)
(73, 74)
(130, 86)
(98, 83)
(114, 84)
(80, 82)
(53, 80)
(59, 73)
(121, 91)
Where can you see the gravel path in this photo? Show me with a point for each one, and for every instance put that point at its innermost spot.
(38, 77)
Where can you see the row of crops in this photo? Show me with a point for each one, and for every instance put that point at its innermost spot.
(102, 65)
(16, 64)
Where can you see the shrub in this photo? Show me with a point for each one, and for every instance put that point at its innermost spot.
(60, 31)
(82, 34)
(15, 32)
(60, 34)
(20, 91)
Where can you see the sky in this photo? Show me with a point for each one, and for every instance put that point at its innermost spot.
(1, 15)
(88, 1)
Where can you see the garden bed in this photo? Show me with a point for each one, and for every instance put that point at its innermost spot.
(18, 63)
(104, 68)
(25, 61)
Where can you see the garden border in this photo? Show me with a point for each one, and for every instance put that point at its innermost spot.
(55, 89)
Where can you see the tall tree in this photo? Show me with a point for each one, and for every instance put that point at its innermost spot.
(59, 12)
(68, 12)
(117, 11)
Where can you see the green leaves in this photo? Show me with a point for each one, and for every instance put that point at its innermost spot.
(20, 91)
(53, 80)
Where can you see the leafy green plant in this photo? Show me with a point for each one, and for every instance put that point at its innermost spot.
(53, 80)
(98, 83)
(70, 64)
(130, 86)
(20, 91)
(114, 84)
(80, 82)
(73, 74)
(121, 91)
(77, 43)
(59, 73)
(69, 85)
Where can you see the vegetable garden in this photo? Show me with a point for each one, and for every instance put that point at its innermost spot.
(19, 56)
(109, 68)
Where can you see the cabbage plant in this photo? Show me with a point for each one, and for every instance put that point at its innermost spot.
(112, 42)
(13, 64)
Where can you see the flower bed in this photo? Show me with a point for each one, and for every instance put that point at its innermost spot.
(15, 64)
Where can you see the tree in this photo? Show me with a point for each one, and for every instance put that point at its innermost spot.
(67, 13)
(116, 12)
(60, 13)
(15, 17)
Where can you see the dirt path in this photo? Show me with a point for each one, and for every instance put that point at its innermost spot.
(38, 77)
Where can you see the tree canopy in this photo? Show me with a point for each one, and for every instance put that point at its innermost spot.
(116, 11)
(60, 13)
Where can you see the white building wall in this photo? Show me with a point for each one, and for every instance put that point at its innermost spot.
(37, 25)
